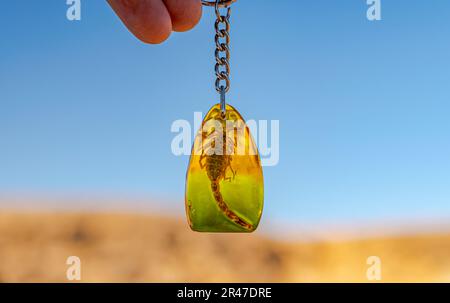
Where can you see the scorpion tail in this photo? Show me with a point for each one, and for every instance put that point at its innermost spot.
(215, 187)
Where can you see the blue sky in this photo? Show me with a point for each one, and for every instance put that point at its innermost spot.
(364, 107)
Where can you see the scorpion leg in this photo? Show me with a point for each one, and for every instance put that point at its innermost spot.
(202, 165)
(232, 171)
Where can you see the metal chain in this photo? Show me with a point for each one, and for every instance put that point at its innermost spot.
(222, 53)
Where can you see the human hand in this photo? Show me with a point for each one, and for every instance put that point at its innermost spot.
(152, 21)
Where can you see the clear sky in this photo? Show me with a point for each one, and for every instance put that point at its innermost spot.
(364, 107)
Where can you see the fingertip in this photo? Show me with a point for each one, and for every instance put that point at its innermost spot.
(148, 20)
(185, 14)
(155, 34)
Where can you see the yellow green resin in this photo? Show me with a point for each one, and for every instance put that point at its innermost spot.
(224, 181)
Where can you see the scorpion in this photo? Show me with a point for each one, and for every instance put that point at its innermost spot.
(216, 166)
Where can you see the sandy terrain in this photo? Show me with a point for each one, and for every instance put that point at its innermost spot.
(130, 248)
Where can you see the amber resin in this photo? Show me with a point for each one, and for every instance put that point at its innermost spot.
(224, 181)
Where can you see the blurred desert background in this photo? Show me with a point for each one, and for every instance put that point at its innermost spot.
(120, 246)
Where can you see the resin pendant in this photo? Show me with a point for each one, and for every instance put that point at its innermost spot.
(224, 181)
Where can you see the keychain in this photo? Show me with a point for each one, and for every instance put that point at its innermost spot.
(224, 180)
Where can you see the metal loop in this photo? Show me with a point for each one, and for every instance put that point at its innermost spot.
(223, 3)
(223, 61)
(222, 74)
(222, 49)
(225, 36)
(217, 9)
(226, 87)
(222, 20)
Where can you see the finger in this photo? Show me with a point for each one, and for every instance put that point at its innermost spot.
(185, 14)
(148, 20)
